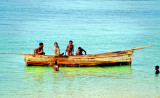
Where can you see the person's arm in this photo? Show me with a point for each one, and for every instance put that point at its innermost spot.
(35, 50)
(77, 52)
(54, 51)
(66, 50)
(84, 51)
(39, 52)
(58, 52)
(73, 51)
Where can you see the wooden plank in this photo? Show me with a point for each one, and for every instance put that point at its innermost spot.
(143, 47)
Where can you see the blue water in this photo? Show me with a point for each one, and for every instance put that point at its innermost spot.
(98, 26)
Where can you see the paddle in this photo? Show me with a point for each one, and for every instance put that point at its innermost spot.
(17, 53)
(142, 47)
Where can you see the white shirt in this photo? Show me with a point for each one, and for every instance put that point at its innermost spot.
(56, 51)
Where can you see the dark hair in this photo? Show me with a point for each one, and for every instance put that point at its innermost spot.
(157, 67)
(79, 48)
(40, 44)
(71, 41)
(55, 43)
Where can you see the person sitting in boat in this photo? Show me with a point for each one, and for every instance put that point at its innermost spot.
(70, 49)
(56, 49)
(79, 51)
(39, 50)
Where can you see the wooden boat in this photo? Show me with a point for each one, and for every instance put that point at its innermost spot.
(103, 59)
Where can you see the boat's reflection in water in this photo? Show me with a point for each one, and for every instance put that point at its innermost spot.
(78, 72)
(77, 81)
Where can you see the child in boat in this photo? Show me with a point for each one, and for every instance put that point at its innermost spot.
(157, 69)
(39, 50)
(70, 49)
(56, 49)
(79, 51)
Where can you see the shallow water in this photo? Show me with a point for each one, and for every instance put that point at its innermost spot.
(98, 26)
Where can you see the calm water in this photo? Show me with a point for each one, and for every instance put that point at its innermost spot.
(98, 26)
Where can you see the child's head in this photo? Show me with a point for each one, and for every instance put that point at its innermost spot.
(41, 44)
(157, 67)
(56, 44)
(79, 48)
(70, 42)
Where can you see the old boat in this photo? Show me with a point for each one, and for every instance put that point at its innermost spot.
(103, 59)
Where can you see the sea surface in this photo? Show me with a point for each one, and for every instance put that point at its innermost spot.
(98, 26)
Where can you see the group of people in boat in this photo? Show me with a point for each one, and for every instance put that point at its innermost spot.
(69, 50)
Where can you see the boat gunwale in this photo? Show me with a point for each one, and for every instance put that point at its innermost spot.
(108, 54)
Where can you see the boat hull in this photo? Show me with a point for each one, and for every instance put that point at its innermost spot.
(103, 59)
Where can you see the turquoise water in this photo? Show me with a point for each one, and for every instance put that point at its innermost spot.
(98, 26)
